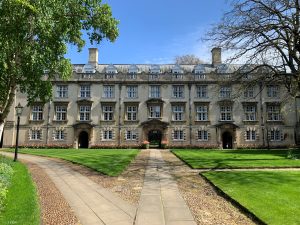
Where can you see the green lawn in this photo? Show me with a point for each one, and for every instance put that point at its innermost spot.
(110, 162)
(21, 204)
(198, 159)
(274, 197)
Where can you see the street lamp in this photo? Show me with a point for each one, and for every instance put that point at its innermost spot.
(19, 109)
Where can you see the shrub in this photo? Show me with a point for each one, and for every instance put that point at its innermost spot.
(6, 173)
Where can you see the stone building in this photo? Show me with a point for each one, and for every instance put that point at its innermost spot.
(181, 105)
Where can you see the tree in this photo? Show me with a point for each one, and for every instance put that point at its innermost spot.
(265, 34)
(33, 39)
(187, 59)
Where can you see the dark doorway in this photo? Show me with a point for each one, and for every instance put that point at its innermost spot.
(227, 140)
(154, 137)
(83, 140)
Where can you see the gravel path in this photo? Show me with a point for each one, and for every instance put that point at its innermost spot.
(206, 205)
(54, 208)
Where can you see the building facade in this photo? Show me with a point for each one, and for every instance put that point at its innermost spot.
(181, 105)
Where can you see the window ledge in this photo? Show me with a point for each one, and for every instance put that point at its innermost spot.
(84, 121)
(36, 121)
(61, 98)
(60, 121)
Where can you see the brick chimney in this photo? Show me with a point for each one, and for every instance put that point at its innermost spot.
(93, 56)
(216, 56)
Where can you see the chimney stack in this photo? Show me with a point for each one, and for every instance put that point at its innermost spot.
(93, 56)
(216, 56)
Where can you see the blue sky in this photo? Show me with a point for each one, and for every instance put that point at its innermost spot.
(155, 31)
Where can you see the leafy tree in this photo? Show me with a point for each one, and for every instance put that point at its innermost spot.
(33, 38)
(266, 35)
(188, 60)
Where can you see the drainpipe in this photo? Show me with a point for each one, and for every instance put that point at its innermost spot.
(190, 113)
(48, 122)
(262, 114)
(119, 117)
(296, 125)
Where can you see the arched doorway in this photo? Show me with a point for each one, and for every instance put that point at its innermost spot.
(154, 137)
(83, 140)
(227, 140)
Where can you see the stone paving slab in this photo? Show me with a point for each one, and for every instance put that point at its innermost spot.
(92, 205)
(161, 202)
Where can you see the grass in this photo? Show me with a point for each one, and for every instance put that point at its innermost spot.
(272, 196)
(110, 162)
(199, 159)
(21, 204)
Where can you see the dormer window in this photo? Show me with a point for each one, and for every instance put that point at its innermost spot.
(199, 71)
(155, 69)
(154, 72)
(226, 69)
(110, 71)
(89, 69)
(177, 72)
(132, 72)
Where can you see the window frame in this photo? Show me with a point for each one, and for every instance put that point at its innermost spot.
(61, 91)
(225, 92)
(152, 111)
(132, 91)
(225, 114)
(154, 91)
(178, 91)
(251, 135)
(85, 91)
(61, 115)
(273, 113)
(178, 112)
(108, 91)
(250, 115)
(108, 112)
(37, 113)
(201, 91)
(202, 112)
(131, 115)
(85, 112)
(178, 135)
(36, 135)
(202, 135)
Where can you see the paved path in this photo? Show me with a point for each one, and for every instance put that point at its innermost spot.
(92, 204)
(160, 203)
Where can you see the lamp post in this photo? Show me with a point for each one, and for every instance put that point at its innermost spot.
(19, 109)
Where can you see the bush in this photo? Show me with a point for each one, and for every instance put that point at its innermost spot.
(6, 173)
